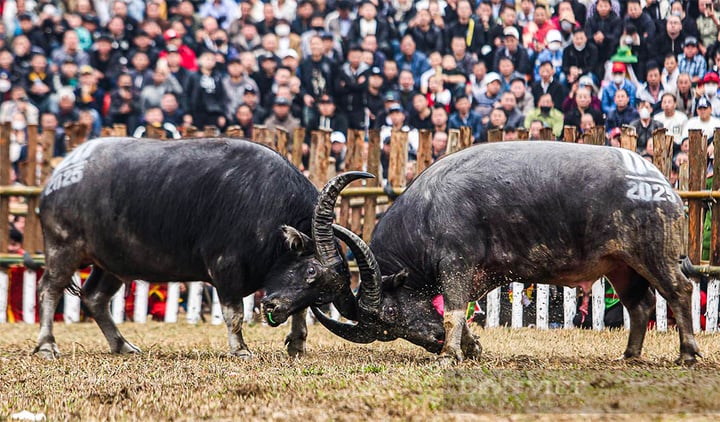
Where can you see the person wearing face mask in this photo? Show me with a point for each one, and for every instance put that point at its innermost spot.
(644, 125)
(618, 82)
(580, 57)
(552, 53)
(546, 113)
(709, 85)
(623, 113)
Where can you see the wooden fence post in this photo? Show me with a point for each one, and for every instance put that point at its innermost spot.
(597, 136)
(453, 144)
(424, 153)
(523, 134)
(48, 143)
(465, 139)
(120, 130)
(319, 154)
(353, 161)
(546, 134)
(373, 166)
(570, 134)
(234, 131)
(495, 135)
(628, 138)
(298, 141)
(4, 181)
(211, 131)
(398, 158)
(662, 152)
(282, 141)
(155, 132)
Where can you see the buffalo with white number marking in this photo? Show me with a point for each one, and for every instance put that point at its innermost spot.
(542, 212)
(229, 212)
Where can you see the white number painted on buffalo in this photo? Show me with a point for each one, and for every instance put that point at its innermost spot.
(644, 181)
(70, 170)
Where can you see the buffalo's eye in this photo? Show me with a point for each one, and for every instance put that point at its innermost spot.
(311, 271)
(391, 312)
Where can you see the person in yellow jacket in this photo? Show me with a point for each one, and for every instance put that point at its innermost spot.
(546, 114)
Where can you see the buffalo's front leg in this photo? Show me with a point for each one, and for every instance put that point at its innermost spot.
(295, 340)
(233, 316)
(455, 281)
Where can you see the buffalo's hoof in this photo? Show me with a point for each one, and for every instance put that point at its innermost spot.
(128, 349)
(449, 358)
(472, 350)
(295, 346)
(688, 359)
(243, 354)
(47, 351)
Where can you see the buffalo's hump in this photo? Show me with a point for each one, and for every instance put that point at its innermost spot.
(176, 203)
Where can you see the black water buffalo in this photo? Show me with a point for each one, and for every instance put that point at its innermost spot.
(229, 212)
(542, 212)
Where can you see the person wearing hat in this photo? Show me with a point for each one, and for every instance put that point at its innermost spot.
(375, 102)
(690, 61)
(709, 85)
(235, 82)
(580, 57)
(464, 116)
(351, 86)
(281, 117)
(486, 101)
(618, 81)
(511, 49)
(188, 59)
(142, 41)
(552, 53)
(106, 62)
(603, 29)
(87, 92)
(704, 120)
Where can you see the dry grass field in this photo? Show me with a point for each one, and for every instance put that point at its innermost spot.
(184, 374)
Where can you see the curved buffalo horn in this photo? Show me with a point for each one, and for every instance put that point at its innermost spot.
(370, 277)
(323, 217)
(357, 333)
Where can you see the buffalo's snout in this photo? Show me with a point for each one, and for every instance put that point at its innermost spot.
(274, 311)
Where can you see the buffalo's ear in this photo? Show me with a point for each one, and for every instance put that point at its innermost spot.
(392, 282)
(296, 240)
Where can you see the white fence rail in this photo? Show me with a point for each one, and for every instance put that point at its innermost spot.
(71, 310)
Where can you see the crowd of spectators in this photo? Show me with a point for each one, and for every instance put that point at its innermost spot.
(382, 64)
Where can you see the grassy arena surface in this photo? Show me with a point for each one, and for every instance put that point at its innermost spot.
(183, 374)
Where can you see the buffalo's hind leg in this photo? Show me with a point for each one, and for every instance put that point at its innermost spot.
(635, 294)
(295, 340)
(677, 290)
(57, 277)
(455, 280)
(96, 294)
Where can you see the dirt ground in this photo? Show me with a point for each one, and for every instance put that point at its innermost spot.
(184, 374)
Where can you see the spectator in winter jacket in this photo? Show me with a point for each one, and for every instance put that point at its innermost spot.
(623, 113)
(581, 56)
(205, 95)
(350, 87)
(668, 40)
(512, 50)
(603, 30)
(619, 81)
